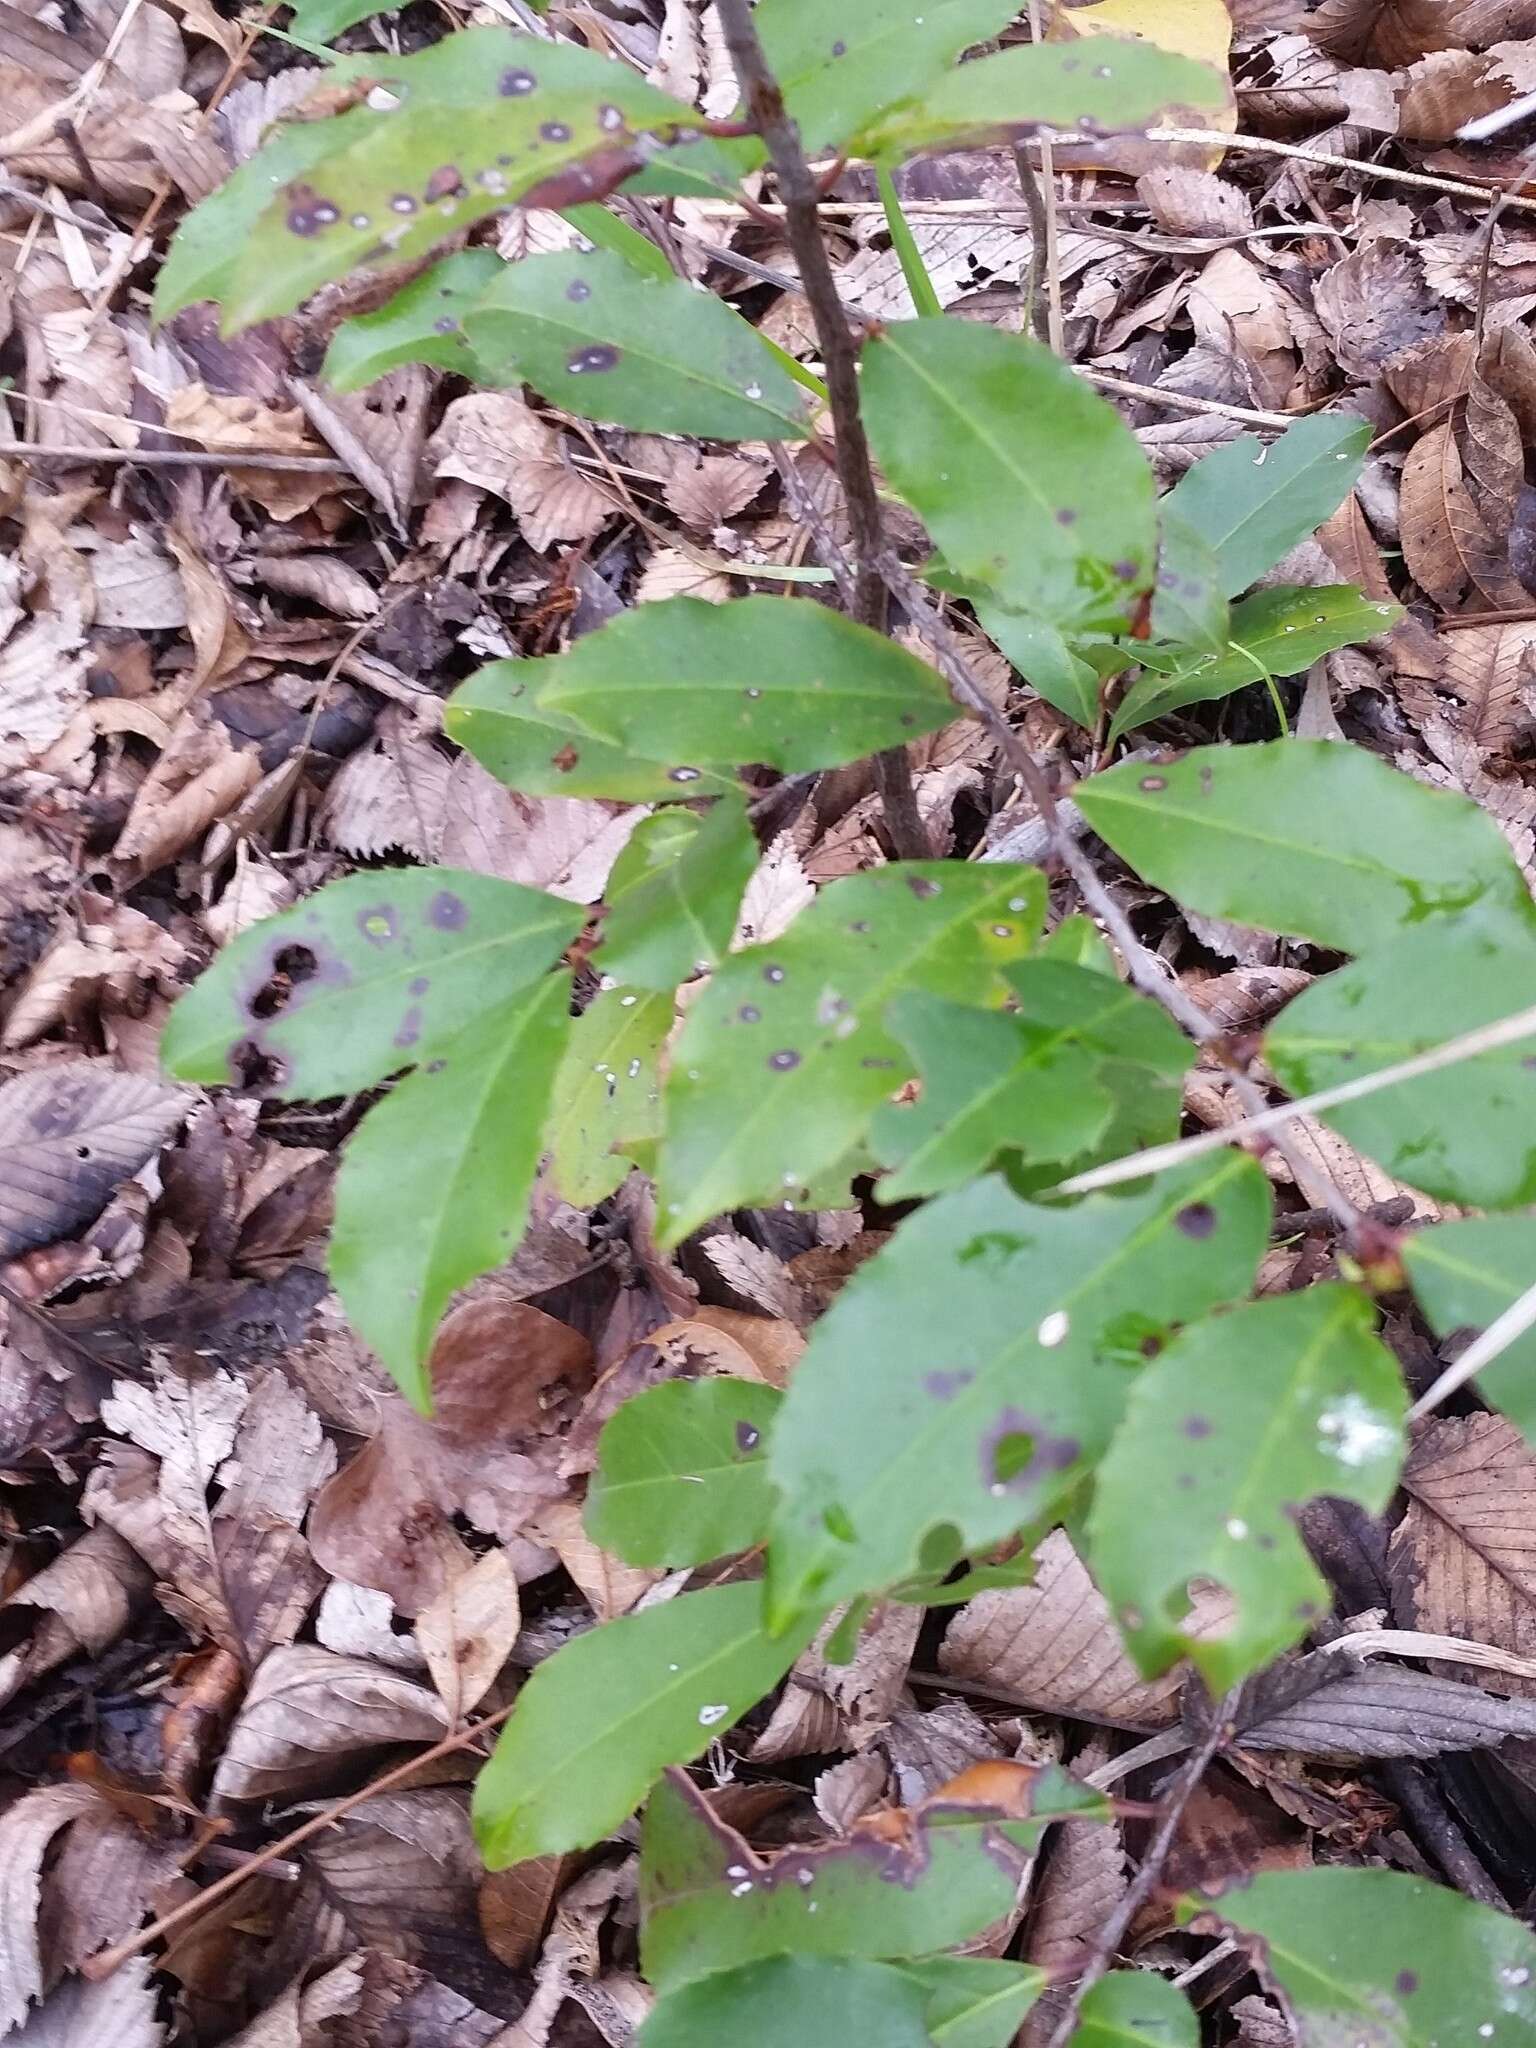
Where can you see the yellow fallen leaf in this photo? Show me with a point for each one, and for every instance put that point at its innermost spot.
(1201, 29)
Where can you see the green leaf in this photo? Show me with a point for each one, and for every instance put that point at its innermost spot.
(790, 2001)
(990, 1084)
(424, 323)
(1136, 2009)
(681, 1475)
(434, 1185)
(482, 120)
(1188, 605)
(1252, 503)
(974, 2003)
(785, 1056)
(1107, 86)
(599, 1721)
(838, 71)
(1464, 1275)
(1276, 632)
(777, 680)
(674, 894)
(1242, 1420)
(1058, 673)
(497, 716)
(1374, 1956)
(1031, 1081)
(1029, 482)
(971, 1372)
(607, 1093)
(592, 335)
(707, 1902)
(369, 975)
(1465, 1134)
(321, 21)
(926, 302)
(1307, 837)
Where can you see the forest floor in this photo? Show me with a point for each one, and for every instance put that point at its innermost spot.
(231, 605)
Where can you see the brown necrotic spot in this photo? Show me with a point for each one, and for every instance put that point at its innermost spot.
(1065, 516)
(781, 1062)
(377, 924)
(1196, 1219)
(410, 1028)
(839, 49)
(610, 118)
(747, 1438)
(773, 974)
(1018, 1449)
(517, 84)
(308, 211)
(450, 913)
(749, 1013)
(565, 759)
(444, 183)
(597, 356)
(402, 202)
(555, 131)
(921, 886)
(1126, 571)
(1197, 1426)
(420, 983)
(1152, 783)
(945, 1385)
(446, 325)
(578, 291)
(1406, 1982)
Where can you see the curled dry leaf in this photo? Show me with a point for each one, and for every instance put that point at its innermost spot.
(70, 1135)
(1053, 1647)
(84, 1600)
(310, 1716)
(501, 1373)
(515, 1904)
(402, 1873)
(109, 958)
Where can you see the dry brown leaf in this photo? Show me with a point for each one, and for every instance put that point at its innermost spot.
(750, 1347)
(70, 1135)
(84, 1600)
(301, 2017)
(1234, 307)
(827, 1707)
(137, 584)
(107, 961)
(1053, 1647)
(198, 779)
(1389, 33)
(1262, 2025)
(1463, 1558)
(1357, 1177)
(28, 1830)
(514, 1905)
(1444, 90)
(758, 1275)
(928, 1748)
(310, 1716)
(228, 423)
(1083, 1880)
(402, 1873)
(707, 491)
(1348, 542)
(1456, 762)
(379, 433)
(323, 579)
(492, 439)
(1190, 202)
(218, 639)
(503, 1375)
(566, 845)
(962, 257)
(609, 1586)
(1376, 1709)
(1374, 305)
(117, 2012)
(467, 1632)
(1446, 545)
(1487, 669)
(1507, 363)
(671, 573)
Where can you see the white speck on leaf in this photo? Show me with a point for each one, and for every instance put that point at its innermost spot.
(708, 1716)
(1351, 1431)
(1054, 1329)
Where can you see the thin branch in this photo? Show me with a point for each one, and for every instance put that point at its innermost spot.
(1107, 1941)
(177, 458)
(1046, 192)
(839, 354)
(1495, 1340)
(109, 1959)
(1469, 1045)
(1036, 315)
(1264, 145)
(1140, 964)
